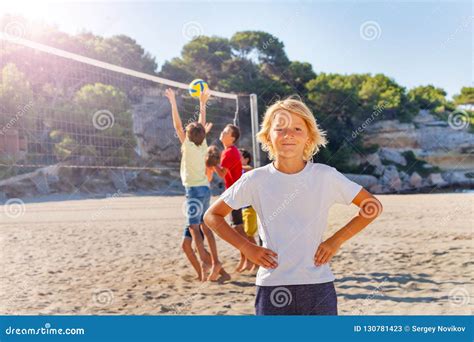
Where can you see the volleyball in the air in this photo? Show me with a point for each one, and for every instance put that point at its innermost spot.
(197, 86)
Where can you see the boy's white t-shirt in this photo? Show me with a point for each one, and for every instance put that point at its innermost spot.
(292, 212)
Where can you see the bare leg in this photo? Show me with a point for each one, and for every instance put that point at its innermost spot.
(240, 266)
(216, 265)
(197, 238)
(188, 250)
(207, 257)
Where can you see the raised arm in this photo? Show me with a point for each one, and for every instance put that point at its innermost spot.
(178, 126)
(202, 106)
(370, 208)
(214, 218)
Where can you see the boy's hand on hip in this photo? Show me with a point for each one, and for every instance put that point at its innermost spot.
(259, 255)
(326, 251)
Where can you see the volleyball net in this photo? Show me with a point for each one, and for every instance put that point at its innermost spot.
(61, 108)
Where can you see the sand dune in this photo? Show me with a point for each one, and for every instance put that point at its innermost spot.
(122, 256)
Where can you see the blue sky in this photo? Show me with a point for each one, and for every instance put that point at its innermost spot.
(416, 43)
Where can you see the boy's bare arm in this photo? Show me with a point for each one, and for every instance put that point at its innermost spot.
(214, 218)
(203, 98)
(209, 173)
(370, 208)
(221, 171)
(178, 125)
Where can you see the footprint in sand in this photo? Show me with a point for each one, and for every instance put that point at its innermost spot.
(163, 296)
(164, 309)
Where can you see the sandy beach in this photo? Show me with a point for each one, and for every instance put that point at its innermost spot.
(122, 256)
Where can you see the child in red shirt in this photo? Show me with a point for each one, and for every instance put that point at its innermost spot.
(231, 170)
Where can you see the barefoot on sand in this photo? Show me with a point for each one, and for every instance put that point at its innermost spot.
(240, 266)
(215, 272)
(224, 276)
(205, 268)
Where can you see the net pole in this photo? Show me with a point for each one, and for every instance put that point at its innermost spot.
(255, 127)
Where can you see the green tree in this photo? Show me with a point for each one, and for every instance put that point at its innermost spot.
(428, 97)
(297, 75)
(335, 103)
(466, 97)
(15, 93)
(203, 57)
(98, 124)
(262, 47)
(380, 91)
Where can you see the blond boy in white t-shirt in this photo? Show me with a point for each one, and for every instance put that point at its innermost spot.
(292, 197)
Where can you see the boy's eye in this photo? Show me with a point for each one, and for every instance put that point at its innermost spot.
(298, 129)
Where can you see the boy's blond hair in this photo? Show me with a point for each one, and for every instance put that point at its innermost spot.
(294, 105)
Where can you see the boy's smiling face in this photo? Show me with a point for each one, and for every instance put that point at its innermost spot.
(288, 135)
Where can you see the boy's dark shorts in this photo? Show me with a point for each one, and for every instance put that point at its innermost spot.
(236, 217)
(308, 299)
